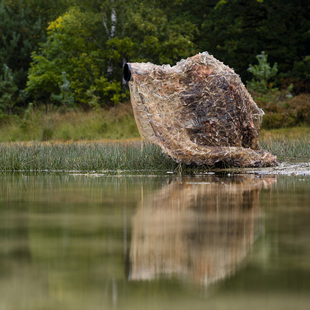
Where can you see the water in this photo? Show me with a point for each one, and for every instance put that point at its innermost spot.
(154, 242)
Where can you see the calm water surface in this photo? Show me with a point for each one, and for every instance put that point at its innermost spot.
(154, 242)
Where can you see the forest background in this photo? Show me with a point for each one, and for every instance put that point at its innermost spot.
(61, 61)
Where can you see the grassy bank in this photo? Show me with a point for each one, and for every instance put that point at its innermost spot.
(61, 142)
(130, 155)
(288, 144)
(53, 125)
(83, 156)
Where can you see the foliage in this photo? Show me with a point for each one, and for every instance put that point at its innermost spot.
(65, 97)
(8, 91)
(263, 73)
(237, 30)
(282, 110)
(157, 34)
(93, 59)
(69, 48)
(299, 76)
(19, 36)
(90, 40)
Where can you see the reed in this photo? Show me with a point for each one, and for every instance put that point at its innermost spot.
(83, 156)
(288, 144)
(288, 150)
(130, 155)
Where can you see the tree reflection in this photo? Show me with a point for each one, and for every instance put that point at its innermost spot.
(196, 228)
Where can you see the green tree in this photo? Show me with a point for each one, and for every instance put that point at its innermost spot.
(236, 30)
(19, 35)
(8, 91)
(158, 34)
(262, 72)
(91, 43)
(71, 47)
(65, 97)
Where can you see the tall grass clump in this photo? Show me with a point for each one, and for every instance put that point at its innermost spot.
(288, 144)
(135, 155)
(83, 157)
(288, 150)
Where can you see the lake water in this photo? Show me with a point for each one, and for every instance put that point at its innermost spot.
(154, 242)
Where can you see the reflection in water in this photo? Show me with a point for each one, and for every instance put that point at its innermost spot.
(65, 240)
(197, 228)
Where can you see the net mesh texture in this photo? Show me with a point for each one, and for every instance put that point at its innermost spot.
(198, 112)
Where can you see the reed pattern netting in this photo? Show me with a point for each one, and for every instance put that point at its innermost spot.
(198, 111)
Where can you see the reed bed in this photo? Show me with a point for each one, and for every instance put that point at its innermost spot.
(289, 150)
(123, 155)
(83, 156)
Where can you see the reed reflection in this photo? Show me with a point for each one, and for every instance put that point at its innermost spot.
(196, 228)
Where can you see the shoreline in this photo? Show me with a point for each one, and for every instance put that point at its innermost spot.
(284, 168)
(134, 156)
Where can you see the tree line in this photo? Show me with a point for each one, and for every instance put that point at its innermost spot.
(71, 52)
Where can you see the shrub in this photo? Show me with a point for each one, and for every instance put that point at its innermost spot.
(282, 110)
(263, 72)
(300, 108)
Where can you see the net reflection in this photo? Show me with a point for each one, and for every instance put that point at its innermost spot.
(196, 228)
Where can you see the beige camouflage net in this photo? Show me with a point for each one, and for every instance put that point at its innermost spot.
(197, 111)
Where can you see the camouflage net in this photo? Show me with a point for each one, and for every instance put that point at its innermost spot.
(198, 111)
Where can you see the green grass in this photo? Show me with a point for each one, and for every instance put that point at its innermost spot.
(99, 156)
(114, 157)
(288, 144)
(37, 125)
